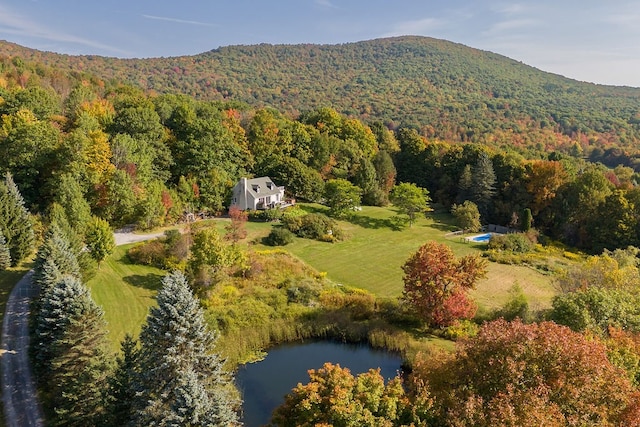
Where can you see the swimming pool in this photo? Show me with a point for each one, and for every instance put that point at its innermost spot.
(480, 238)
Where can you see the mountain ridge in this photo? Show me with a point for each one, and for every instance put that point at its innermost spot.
(447, 89)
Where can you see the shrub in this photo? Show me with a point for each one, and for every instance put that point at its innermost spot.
(279, 237)
(516, 242)
(267, 215)
(516, 307)
(314, 226)
(150, 253)
(304, 292)
(461, 329)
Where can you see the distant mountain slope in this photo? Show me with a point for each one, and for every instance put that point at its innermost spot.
(449, 90)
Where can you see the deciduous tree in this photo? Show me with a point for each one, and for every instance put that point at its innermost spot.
(435, 283)
(99, 239)
(467, 216)
(410, 199)
(335, 397)
(513, 374)
(236, 229)
(341, 196)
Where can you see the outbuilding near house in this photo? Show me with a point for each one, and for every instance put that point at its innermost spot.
(257, 193)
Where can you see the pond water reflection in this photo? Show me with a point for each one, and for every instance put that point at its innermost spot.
(264, 384)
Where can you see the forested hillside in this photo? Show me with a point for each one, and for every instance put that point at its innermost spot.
(447, 90)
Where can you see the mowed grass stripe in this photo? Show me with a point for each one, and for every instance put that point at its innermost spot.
(125, 292)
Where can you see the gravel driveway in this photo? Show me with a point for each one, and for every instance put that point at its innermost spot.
(19, 397)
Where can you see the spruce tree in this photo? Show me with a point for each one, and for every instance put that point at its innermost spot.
(177, 365)
(15, 221)
(483, 184)
(54, 260)
(71, 354)
(70, 197)
(5, 254)
(58, 218)
(464, 185)
(121, 383)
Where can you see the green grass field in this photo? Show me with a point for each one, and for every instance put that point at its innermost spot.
(125, 292)
(372, 256)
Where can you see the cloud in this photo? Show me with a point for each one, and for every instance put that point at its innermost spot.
(179, 21)
(15, 24)
(415, 27)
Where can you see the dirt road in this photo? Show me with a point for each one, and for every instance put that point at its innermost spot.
(19, 397)
(21, 406)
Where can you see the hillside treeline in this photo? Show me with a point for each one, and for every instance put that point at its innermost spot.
(114, 151)
(447, 90)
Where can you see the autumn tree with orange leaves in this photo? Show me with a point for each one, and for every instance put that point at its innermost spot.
(436, 284)
(514, 374)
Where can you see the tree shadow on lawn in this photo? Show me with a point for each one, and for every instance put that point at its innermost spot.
(376, 223)
(151, 281)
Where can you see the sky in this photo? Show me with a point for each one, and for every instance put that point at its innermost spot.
(587, 40)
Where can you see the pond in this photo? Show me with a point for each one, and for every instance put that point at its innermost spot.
(264, 384)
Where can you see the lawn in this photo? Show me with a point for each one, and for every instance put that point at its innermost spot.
(126, 292)
(370, 258)
(373, 253)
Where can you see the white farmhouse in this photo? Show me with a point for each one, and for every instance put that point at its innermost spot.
(257, 193)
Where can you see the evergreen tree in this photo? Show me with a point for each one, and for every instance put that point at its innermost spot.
(58, 218)
(54, 260)
(15, 221)
(71, 354)
(385, 171)
(121, 383)
(5, 254)
(464, 185)
(483, 184)
(527, 220)
(176, 361)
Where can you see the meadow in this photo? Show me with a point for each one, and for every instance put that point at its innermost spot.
(369, 258)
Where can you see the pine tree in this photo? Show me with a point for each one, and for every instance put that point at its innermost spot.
(15, 221)
(483, 184)
(5, 254)
(176, 360)
(71, 354)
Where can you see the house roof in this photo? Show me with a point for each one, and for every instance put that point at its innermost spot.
(263, 186)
